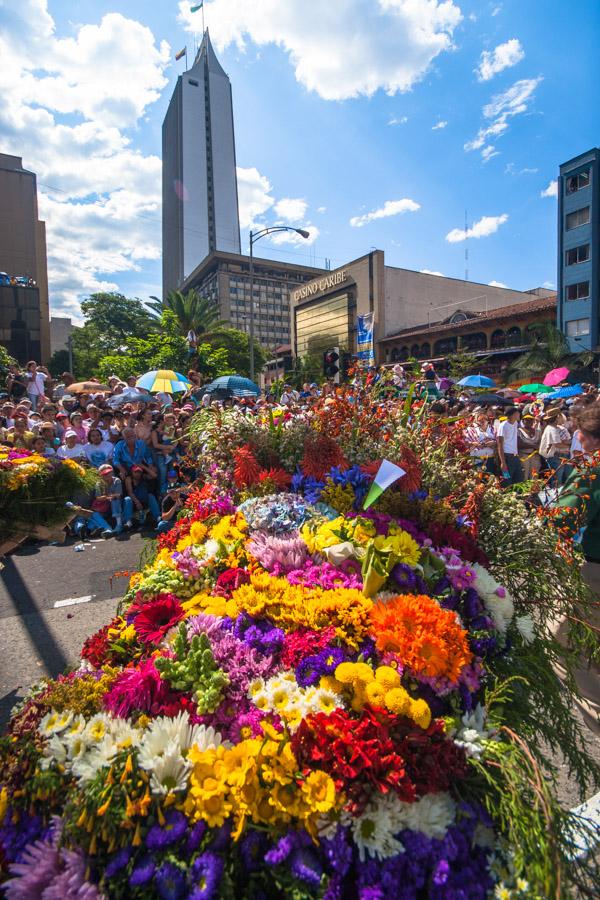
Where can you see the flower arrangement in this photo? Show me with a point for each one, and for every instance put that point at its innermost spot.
(300, 700)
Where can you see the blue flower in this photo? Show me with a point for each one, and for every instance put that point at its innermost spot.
(206, 875)
(117, 862)
(195, 836)
(161, 836)
(143, 872)
(170, 882)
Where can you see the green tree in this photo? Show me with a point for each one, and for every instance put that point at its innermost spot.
(112, 318)
(192, 312)
(59, 363)
(237, 345)
(307, 368)
(549, 349)
(463, 363)
(6, 360)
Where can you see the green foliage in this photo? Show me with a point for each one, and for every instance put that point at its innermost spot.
(194, 670)
(307, 368)
(463, 363)
(236, 344)
(115, 318)
(59, 363)
(191, 312)
(6, 360)
(550, 349)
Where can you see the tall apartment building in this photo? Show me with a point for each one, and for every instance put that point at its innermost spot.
(578, 283)
(24, 314)
(199, 185)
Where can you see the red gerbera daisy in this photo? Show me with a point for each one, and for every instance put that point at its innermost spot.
(156, 618)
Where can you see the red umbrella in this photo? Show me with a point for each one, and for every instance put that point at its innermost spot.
(556, 376)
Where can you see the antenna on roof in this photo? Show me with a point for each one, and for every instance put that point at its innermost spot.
(466, 247)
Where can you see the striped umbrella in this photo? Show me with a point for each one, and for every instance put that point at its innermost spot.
(165, 380)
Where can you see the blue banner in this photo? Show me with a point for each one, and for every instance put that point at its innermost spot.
(364, 339)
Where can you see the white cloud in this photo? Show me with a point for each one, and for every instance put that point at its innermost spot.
(549, 285)
(429, 272)
(551, 190)
(511, 169)
(502, 107)
(321, 209)
(69, 106)
(502, 57)
(438, 125)
(291, 210)
(401, 120)
(339, 50)
(389, 208)
(488, 152)
(254, 196)
(483, 228)
(497, 284)
(496, 10)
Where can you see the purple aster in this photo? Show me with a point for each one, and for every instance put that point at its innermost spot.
(306, 867)
(161, 836)
(71, 881)
(117, 862)
(195, 836)
(206, 875)
(338, 851)
(221, 838)
(15, 835)
(170, 882)
(252, 850)
(312, 668)
(143, 872)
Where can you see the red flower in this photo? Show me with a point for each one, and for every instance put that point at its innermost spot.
(96, 649)
(321, 453)
(229, 580)
(279, 477)
(169, 539)
(155, 618)
(304, 642)
(246, 469)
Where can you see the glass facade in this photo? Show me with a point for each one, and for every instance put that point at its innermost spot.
(20, 322)
(323, 324)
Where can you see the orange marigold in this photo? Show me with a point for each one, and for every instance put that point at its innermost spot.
(426, 638)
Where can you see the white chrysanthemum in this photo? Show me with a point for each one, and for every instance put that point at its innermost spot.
(87, 765)
(324, 701)
(526, 628)
(473, 732)
(374, 831)
(501, 609)
(328, 825)
(169, 773)
(54, 751)
(209, 549)
(262, 701)
(167, 736)
(255, 687)
(281, 696)
(97, 728)
(432, 814)
(123, 734)
(54, 722)
(485, 584)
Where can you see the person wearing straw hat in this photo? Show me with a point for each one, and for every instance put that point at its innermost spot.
(555, 444)
(530, 434)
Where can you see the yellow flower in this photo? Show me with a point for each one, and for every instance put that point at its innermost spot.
(319, 791)
(387, 677)
(402, 545)
(398, 701)
(3, 803)
(198, 532)
(375, 693)
(420, 713)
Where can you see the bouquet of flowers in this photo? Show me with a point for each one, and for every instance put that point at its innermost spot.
(296, 700)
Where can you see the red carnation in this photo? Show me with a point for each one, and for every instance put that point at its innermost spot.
(229, 580)
(156, 618)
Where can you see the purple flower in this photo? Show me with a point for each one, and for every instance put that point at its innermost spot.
(312, 668)
(170, 882)
(206, 875)
(117, 862)
(252, 849)
(195, 836)
(143, 872)
(241, 663)
(40, 864)
(161, 836)
(71, 881)
(306, 867)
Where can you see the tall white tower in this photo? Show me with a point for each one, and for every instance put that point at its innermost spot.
(199, 187)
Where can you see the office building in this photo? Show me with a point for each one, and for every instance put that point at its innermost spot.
(61, 329)
(24, 315)
(324, 311)
(199, 186)
(578, 283)
(225, 279)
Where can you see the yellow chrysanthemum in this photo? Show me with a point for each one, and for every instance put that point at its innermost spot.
(319, 791)
(401, 544)
(198, 532)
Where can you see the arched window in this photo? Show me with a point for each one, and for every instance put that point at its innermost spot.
(513, 337)
(395, 354)
(447, 345)
(414, 350)
(403, 354)
(476, 341)
(498, 339)
(426, 350)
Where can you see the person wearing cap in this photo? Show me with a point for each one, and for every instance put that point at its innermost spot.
(507, 441)
(110, 491)
(555, 444)
(62, 422)
(71, 449)
(529, 441)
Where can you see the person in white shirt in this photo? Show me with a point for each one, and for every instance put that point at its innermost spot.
(288, 396)
(97, 451)
(507, 439)
(555, 445)
(481, 439)
(36, 379)
(70, 449)
(192, 341)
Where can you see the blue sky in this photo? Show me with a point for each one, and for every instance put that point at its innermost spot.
(335, 107)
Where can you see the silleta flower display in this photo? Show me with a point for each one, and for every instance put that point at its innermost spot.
(297, 699)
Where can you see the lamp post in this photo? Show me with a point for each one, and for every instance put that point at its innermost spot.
(256, 236)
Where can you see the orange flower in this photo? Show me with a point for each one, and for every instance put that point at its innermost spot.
(426, 638)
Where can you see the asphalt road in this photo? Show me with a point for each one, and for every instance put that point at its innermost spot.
(51, 599)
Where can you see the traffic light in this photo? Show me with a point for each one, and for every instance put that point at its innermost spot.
(331, 364)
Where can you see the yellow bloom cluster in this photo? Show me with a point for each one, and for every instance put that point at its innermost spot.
(339, 497)
(382, 688)
(282, 695)
(319, 535)
(291, 606)
(399, 543)
(256, 779)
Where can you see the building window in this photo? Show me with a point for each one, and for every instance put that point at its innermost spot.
(426, 350)
(578, 217)
(577, 327)
(578, 291)
(191, 81)
(448, 345)
(577, 182)
(498, 339)
(577, 254)
(513, 337)
(475, 341)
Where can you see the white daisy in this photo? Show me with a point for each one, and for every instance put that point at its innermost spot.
(54, 722)
(472, 733)
(169, 773)
(97, 727)
(374, 831)
(432, 814)
(88, 764)
(54, 751)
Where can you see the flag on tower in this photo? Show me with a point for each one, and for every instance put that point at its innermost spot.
(196, 8)
(387, 474)
(181, 53)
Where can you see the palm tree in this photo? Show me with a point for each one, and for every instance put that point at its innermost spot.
(549, 349)
(193, 312)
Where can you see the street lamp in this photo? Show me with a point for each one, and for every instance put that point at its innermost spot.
(256, 236)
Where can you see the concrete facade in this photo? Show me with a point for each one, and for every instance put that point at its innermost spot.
(199, 184)
(325, 310)
(578, 282)
(24, 311)
(61, 328)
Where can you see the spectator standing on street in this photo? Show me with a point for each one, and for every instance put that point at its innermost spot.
(16, 384)
(507, 439)
(36, 383)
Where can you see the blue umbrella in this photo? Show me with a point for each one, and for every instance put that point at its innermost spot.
(234, 384)
(477, 381)
(573, 390)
